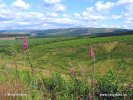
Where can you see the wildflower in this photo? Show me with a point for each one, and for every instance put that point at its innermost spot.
(91, 53)
(25, 43)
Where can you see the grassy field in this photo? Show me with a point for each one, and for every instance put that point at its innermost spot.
(43, 72)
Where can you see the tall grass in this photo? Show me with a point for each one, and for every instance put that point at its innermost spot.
(66, 81)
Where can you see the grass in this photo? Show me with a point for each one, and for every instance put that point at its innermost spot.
(50, 55)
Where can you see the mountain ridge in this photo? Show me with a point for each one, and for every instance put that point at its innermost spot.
(68, 32)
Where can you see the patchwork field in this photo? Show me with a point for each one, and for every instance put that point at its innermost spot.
(61, 69)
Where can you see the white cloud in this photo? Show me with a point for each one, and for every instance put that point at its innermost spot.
(20, 4)
(128, 14)
(121, 2)
(65, 15)
(100, 6)
(33, 20)
(93, 17)
(59, 7)
(89, 15)
(2, 5)
(54, 5)
(128, 26)
(90, 9)
(109, 26)
(52, 14)
(52, 1)
(77, 15)
(97, 14)
(116, 16)
(129, 22)
(56, 17)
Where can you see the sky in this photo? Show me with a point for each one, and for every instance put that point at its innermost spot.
(54, 14)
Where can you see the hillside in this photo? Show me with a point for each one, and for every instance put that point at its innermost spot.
(69, 32)
(62, 68)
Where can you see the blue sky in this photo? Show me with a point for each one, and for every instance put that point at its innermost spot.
(49, 14)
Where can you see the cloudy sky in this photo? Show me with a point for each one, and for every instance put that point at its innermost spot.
(48, 14)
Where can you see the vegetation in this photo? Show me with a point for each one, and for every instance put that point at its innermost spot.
(60, 68)
(68, 32)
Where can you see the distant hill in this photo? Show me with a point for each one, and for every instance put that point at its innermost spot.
(68, 32)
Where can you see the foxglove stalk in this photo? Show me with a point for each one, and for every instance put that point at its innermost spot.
(91, 53)
(25, 43)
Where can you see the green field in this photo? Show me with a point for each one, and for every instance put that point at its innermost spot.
(43, 72)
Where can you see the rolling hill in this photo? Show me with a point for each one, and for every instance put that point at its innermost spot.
(68, 32)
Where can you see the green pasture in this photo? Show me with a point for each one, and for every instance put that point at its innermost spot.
(50, 55)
